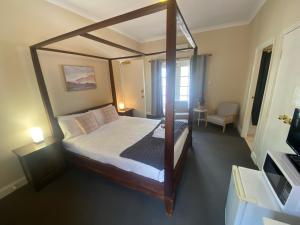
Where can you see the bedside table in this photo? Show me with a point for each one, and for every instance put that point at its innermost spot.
(41, 162)
(200, 111)
(126, 112)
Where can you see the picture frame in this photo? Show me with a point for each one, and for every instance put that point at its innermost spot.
(78, 78)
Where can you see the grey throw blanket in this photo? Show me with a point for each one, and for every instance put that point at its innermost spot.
(150, 150)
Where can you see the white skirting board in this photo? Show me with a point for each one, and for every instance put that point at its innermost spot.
(12, 187)
(239, 128)
(253, 157)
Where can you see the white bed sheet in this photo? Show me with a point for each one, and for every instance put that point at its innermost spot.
(106, 143)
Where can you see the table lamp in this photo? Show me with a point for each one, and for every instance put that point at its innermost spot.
(37, 134)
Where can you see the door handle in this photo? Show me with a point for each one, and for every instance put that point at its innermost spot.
(285, 119)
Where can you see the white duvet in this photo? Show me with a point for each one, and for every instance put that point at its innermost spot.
(106, 143)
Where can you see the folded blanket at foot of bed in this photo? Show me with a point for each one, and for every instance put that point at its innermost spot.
(159, 132)
(150, 150)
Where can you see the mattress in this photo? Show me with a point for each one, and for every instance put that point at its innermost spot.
(107, 142)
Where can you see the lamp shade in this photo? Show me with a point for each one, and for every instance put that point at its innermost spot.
(121, 105)
(37, 134)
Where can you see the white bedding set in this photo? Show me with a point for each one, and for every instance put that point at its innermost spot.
(107, 142)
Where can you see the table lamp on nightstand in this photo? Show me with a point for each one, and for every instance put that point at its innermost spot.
(37, 134)
(121, 106)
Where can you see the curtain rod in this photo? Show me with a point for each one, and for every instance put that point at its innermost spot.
(208, 54)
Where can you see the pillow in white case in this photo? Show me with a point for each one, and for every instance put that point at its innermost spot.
(69, 125)
(99, 115)
(110, 113)
(87, 122)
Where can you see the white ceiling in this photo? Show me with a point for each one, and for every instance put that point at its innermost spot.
(200, 15)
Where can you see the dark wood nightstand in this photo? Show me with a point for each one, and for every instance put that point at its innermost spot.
(41, 162)
(126, 112)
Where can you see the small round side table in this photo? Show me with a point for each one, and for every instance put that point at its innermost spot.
(200, 111)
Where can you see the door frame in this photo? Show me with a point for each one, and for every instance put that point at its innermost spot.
(259, 154)
(253, 84)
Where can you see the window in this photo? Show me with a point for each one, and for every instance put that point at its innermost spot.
(182, 81)
(184, 77)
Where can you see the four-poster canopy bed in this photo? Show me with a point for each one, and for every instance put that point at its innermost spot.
(164, 190)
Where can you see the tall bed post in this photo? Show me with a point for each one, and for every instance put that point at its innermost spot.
(192, 88)
(112, 83)
(169, 194)
(44, 93)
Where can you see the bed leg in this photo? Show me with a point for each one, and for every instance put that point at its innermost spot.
(190, 144)
(169, 205)
(224, 128)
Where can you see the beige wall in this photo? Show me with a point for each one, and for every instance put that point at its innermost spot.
(118, 81)
(24, 23)
(63, 101)
(227, 67)
(271, 21)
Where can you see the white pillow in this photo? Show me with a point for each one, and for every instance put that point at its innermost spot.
(87, 122)
(110, 113)
(99, 115)
(105, 114)
(69, 125)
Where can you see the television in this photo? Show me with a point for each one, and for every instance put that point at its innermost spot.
(293, 139)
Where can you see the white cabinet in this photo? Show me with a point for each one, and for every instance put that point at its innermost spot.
(250, 199)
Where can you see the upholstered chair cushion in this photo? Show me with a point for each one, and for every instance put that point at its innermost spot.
(216, 119)
(227, 108)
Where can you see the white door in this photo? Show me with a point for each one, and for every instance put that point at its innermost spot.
(286, 96)
(133, 86)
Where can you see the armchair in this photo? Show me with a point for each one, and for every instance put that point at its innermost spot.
(226, 114)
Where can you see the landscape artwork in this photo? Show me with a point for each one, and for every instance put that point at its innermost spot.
(79, 78)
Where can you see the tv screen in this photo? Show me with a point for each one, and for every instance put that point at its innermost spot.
(293, 139)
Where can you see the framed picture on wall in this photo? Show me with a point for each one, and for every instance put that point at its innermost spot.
(79, 77)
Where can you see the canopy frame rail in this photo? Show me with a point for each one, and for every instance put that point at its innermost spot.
(106, 42)
(174, 19)
(148, 10)
(72, 53)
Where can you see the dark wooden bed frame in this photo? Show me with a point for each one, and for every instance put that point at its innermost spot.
(166, 190)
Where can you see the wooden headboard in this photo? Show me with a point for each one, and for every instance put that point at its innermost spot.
(57, 132)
